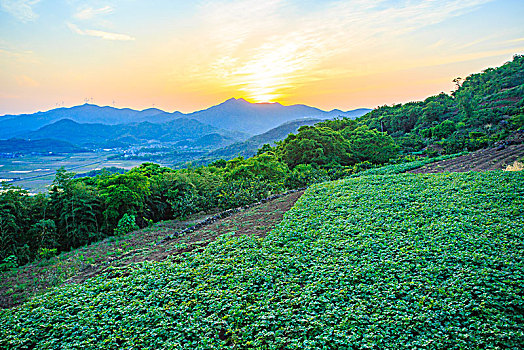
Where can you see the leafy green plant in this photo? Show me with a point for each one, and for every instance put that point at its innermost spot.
(47, 253)
(377, 261)
(126, 224)
(9, 263)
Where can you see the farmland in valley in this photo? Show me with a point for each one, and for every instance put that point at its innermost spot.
(36, 172)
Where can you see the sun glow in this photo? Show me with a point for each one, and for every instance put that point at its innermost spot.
(270, 72)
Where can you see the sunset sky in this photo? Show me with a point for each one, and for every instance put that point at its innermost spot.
(188, 55)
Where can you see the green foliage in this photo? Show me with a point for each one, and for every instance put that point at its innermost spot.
(126, 224)
(125, 193)
(444, 129)
(488, 102)
(517, 121)
(265, 167)
(45, 232)
(241, 192)
(370, 145)
(8, 263)
(304, 175)
(316, 145)
(15, 223)
(386, 262)
(76, 209)
(46, 253)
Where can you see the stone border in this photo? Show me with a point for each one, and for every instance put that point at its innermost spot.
(225, 214)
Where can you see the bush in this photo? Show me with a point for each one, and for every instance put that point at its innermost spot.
(8, 263)
(243, 192)
(46, 253)
(126, 224)
(304, 175)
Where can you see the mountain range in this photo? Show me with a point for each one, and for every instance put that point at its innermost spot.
(257, 118)
(124, 135)
(233, 114)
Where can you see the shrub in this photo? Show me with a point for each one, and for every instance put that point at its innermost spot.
(46, 253)
(126, 224)
(8, 263)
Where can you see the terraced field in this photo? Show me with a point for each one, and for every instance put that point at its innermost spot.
(398, 261)
(482, 160)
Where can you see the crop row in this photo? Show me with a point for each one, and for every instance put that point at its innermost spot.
(402, 261)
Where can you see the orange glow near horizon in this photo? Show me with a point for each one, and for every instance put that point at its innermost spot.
(327, 54)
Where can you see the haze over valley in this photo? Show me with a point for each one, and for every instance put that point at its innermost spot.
(89, 137)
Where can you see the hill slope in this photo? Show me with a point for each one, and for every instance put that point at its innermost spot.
(256, 118)
(481, 160)
(360, 262)
(486, 108)
(15, 125)
(135, 133)
(249, 147)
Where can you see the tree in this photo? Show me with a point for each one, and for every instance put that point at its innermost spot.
(76, 209)
(125, 193)
(315, 145)
(367, 144)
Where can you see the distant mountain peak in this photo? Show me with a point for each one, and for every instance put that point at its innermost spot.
(234, 100)
(234, 114)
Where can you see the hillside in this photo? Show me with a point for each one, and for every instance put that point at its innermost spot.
(481, 160)
(97, 135)
(77, 266)
(249, 147)
(212, 141)
(43, 146)
(487, 107)
(256, 118)
(358, 262)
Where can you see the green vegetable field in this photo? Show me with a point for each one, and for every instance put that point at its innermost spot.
(397, 261)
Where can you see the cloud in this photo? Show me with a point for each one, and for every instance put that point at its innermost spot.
(515, 40)
(25, 56)
(25, 81)
(89, 12)
(21, 9)
(99, 33)
(266, 47)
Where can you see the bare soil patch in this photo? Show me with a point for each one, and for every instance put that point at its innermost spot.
(481, 160)
(116, 253)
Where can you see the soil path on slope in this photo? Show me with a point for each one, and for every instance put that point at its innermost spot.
(481, 160)
(116, 253)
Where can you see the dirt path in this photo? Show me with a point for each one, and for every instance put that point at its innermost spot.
(257, 221)
(18, 285)
(481, 160)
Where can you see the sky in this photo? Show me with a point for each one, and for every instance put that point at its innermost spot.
(189, 55)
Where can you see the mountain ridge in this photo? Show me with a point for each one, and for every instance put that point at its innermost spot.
(98, 135)
(232, 114)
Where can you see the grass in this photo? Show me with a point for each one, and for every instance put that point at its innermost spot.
(397, 261)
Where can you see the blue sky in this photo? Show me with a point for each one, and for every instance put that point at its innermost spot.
(184, 55)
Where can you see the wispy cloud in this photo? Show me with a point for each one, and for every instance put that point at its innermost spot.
(89, 12)
(21, 9)
(515, 40)
(25, 56)
(26, 81)
(99, 33)
(265, 47)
